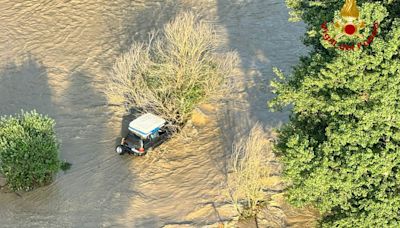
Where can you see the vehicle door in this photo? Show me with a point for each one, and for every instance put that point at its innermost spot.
(147, 143)
(161, 136)
(153, 139)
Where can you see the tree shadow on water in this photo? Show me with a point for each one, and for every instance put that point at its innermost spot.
(98, 187)
(25, 86)
(99, 177)
(137, 21)
(261, 34)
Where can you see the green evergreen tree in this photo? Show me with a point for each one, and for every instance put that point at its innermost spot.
(341, 147)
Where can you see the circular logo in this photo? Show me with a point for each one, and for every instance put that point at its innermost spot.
(350, 29)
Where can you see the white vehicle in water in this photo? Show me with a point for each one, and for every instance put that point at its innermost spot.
(145, 132)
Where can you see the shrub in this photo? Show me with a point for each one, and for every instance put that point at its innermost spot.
(173, 72)
(341, 148)
(28, 150)
(250, 172)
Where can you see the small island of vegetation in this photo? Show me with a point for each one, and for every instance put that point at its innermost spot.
(28, 150)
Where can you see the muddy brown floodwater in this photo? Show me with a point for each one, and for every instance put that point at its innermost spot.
(55, 56)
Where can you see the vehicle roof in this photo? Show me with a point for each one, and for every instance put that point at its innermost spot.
(146, 124)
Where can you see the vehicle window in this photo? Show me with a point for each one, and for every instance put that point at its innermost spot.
(154, 135)
(146, 141)
(133, 140)
(132, 136)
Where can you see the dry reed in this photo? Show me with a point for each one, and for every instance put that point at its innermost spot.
(250, 172)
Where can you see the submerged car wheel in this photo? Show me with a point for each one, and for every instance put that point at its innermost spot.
(140, 154)
(119, 150)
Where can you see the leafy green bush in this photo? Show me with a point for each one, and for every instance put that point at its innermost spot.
(341, 148)
(28, 150)
(173, 72)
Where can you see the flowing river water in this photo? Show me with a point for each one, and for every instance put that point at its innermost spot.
(55, 56)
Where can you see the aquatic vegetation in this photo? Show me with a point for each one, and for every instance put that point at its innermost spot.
(173, 72)
(28, 150)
